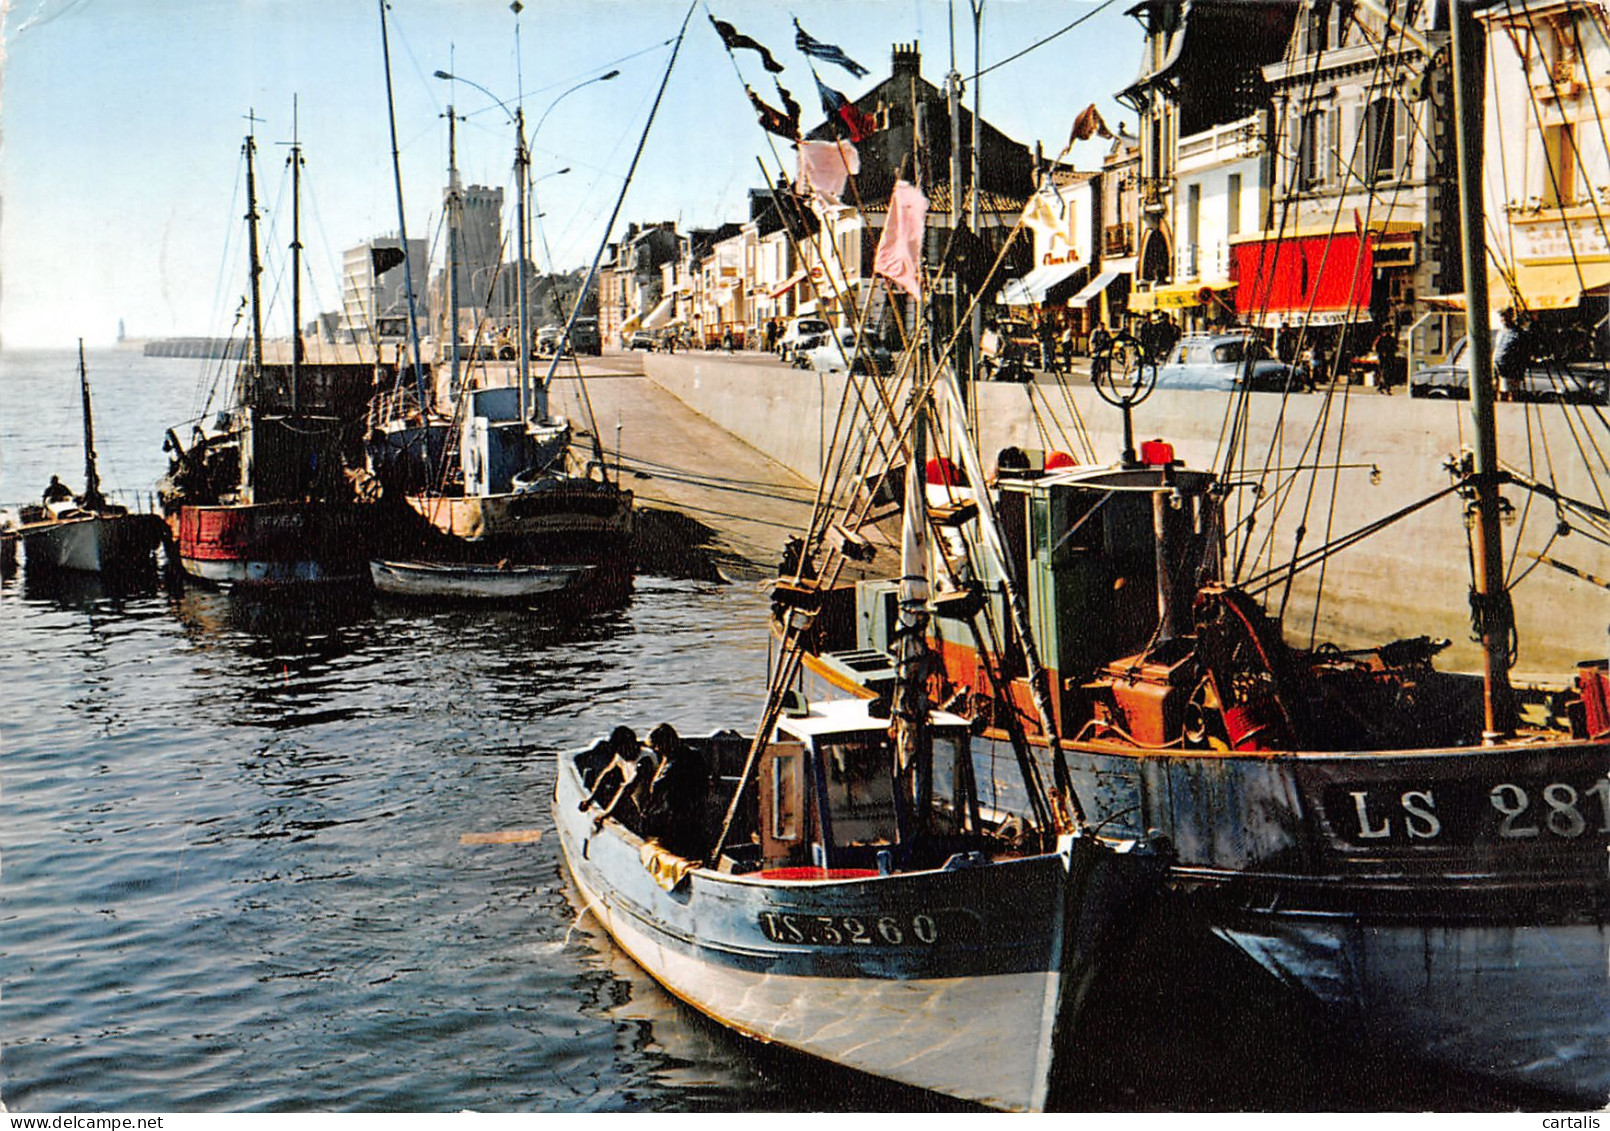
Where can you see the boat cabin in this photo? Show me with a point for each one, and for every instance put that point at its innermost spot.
(827, 799)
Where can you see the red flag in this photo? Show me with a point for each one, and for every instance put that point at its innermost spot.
(1088, 125)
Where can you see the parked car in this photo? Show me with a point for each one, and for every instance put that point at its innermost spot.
(1218, 362)
(1579, 382)
(548, 339)
(804, 332)
(1006, 350)
(642, 340)
(829, 357)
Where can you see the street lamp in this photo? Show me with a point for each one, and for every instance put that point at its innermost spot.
(547, 255)
(522, 162)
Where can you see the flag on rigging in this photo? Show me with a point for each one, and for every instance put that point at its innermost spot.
(899, 256)
(841, 109)
(736, 40)
(773, 120)
(1088, 125)
(816, 49)
(385, 258)
(824, 167)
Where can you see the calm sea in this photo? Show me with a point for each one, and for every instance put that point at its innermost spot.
(232, 876)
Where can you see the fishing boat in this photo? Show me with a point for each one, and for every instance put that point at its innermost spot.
(87, 533)
(273, 491)
(500, 505)
(837, 883)
(1421, 854)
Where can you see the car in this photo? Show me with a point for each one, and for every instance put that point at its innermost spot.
(829, 357)
(804, 332)
(1219, 362)
(1579, 382)
(642, 340)
(1006, 349)
(548, 339)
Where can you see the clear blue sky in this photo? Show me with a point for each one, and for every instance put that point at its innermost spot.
(121, 127)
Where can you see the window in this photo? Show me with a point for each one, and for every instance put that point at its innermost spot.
(1310, 150)
(860, 792)
(1380, 139)
(1193, 215)
(1232, 223)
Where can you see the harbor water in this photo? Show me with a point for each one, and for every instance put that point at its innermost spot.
(239, 866)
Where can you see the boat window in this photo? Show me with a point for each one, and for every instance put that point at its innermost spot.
(860, 792)
(949, 798)
(785, 794)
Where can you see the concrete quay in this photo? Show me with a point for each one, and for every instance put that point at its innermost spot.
(1410, 579)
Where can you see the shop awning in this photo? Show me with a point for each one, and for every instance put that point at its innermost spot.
(660, 316)
(786, 285)
(1036, 285)
(1551, 286)
(1094, 287)
(1306, 276)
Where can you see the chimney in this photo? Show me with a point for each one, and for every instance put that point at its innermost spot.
(905, 60)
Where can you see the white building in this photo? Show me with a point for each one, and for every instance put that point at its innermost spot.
(1547, 158)
(374, 303)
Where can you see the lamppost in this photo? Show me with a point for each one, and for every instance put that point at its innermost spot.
(522, 164)
(547, 255)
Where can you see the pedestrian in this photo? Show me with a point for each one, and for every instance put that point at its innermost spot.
(1067, 348)
(1100, 353)
(1286, 343)
(1046, 333)
(1511, 350)
(726, 341)
(1386, 359)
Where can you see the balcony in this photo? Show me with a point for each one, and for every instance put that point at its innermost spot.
(1232, 141)
(1117, 240)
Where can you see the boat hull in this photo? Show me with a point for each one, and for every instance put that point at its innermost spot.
(1395, 889)
(572, 513)
(1526, 1004)
(968, 982)
(271, 544)
(92, 543)
(435, 581)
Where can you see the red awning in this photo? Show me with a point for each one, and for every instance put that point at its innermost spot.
(1324, 274)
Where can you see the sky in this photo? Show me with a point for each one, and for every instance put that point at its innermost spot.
(121, 128)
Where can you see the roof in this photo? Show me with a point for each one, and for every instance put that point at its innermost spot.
(828, 717)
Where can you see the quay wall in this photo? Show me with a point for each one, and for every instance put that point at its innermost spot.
(1410, 579)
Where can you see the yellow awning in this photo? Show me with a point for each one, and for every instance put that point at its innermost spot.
(1551, 286)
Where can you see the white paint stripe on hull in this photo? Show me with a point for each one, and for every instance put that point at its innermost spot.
(1528, 1005)
(957, 1036)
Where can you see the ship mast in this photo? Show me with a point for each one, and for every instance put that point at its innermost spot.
(402, 223)
(249, 394)
(522, 176)
(455, 220)
(1489, 597)
(296, 260)
(92, 479)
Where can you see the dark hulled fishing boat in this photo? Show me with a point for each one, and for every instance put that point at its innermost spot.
(1420, 853)
(274, 492)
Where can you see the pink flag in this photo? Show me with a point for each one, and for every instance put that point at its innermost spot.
(824, 167)
(899, 257)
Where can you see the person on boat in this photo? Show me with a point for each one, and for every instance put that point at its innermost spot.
(57, 491)
(625, 780)
(676, 797)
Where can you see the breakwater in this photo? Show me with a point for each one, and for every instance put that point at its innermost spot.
(1409, 579)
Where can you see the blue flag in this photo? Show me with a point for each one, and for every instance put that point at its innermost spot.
(816, 49)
